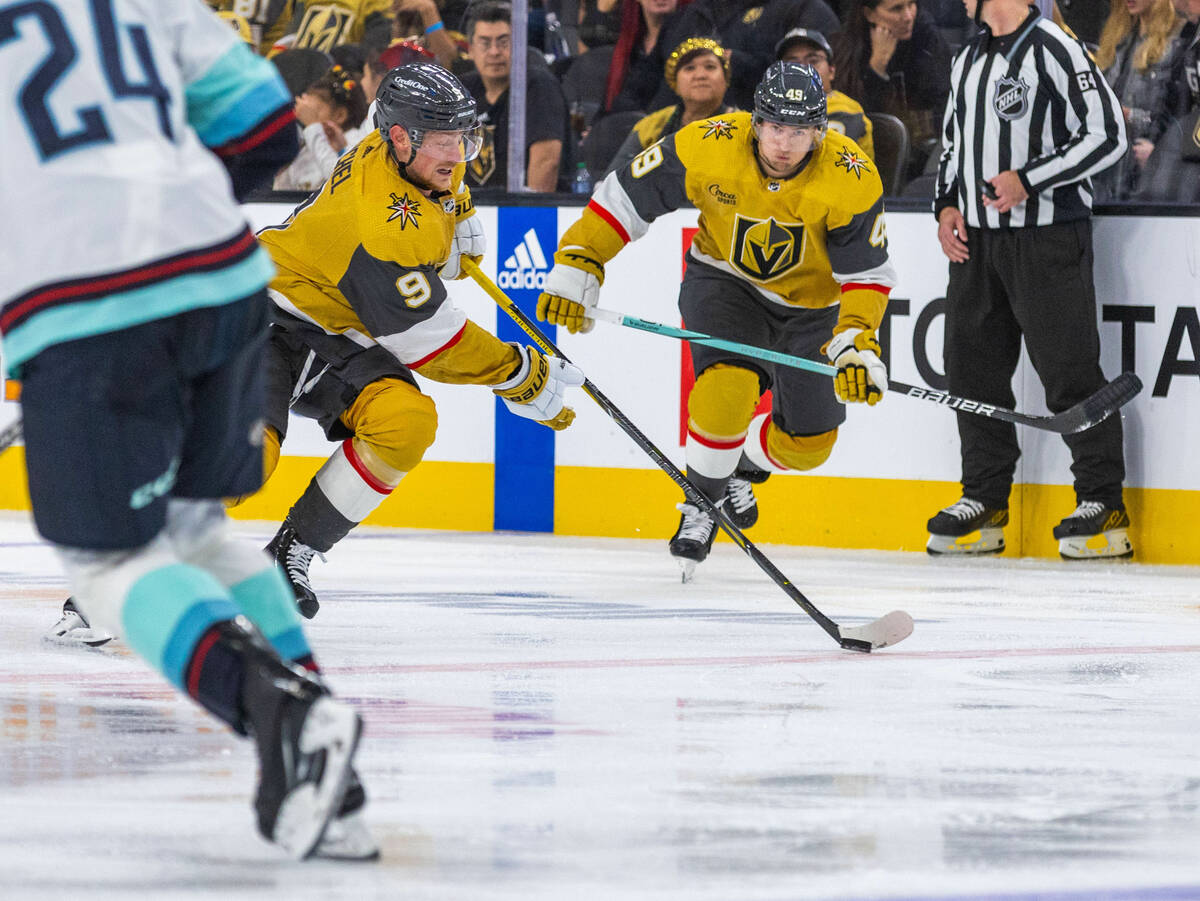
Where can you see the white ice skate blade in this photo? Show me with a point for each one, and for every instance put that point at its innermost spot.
(1111, 545)
(981, 541)
(347, 838)
(305, 813)
(687, 569)
(889, 629)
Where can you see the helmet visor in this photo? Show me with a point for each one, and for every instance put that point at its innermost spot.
(786, 135)
(452, 146)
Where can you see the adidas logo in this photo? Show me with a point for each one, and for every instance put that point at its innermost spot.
(526, 267)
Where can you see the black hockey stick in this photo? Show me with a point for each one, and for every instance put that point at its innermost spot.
(10, 435)
(1085, 414)
(887, 630)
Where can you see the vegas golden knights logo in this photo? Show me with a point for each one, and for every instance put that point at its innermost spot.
(483, 167)
(324, 27)
(765, 249)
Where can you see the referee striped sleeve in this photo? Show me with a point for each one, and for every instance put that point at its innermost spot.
(1093, 118)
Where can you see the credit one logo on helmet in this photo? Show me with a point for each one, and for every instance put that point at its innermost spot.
(526, 267)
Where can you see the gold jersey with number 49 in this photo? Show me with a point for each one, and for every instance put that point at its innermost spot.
(813, 240)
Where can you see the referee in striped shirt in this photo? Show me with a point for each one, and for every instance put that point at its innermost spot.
(1029, 120)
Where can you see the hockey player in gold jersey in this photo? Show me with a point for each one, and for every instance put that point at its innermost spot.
(360, 305)
(791, 254)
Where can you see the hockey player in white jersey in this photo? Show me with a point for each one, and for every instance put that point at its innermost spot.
(133, 309)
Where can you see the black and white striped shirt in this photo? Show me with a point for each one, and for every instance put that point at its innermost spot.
(1034, 102)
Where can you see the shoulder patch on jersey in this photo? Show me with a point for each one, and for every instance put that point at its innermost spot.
(718, 128)
(1086, 81)
(856, 163)
(406, 209)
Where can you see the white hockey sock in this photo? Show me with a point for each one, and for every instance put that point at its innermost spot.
(756, 444)
(713, 459)
(352, 489)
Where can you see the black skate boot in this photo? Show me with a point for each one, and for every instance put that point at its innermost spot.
(967, 527)
(306, 742)
(1094, 531)
(740, 503)
(73, 628)
(294, 556)
(693, 539)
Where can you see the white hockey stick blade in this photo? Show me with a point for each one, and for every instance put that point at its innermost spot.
(888, 630)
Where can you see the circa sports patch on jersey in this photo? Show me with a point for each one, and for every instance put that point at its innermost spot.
(1011, 100)
(852, 162)
(406, 209)
(718, 128)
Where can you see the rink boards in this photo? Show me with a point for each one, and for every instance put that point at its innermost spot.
(893, 466)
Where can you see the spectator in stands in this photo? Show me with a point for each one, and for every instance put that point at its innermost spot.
(1084, 17)
(749, 30)
(423, 19)
(698, 72)
(1173, 170)
(892, 58)
(489, 44)
(635, 74)
(330, 114)
(1137, 49)
(325, 25)
(802, 45)
(599, 24)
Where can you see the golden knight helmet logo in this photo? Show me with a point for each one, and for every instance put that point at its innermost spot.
(765, 249)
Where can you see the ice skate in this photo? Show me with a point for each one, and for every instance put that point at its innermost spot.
(740, 502)
(306, 742)
(693, 539)
(73, 628)
(294, 556)
(347, 836)
(967, 527)
(1094, 531)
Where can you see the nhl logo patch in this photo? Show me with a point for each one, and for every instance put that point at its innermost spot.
(1011, 100)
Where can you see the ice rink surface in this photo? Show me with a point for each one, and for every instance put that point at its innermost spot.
(560, 718)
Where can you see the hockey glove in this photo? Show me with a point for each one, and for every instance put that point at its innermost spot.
(572, 288)
(861, 375)
(470, 241)
(536, 390)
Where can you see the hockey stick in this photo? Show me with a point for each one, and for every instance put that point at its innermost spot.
(10, 435)
(1085, 414)
(887, 630)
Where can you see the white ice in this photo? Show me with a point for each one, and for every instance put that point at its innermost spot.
(553, 717)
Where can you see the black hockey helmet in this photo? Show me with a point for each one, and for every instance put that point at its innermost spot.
(790, 94)
(424, 97)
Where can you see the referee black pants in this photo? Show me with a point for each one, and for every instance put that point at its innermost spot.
(1034, 283)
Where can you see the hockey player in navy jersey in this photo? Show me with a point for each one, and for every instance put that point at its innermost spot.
(130, 128)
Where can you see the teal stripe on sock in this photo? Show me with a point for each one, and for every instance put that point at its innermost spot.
(267, 599)
(166, 612)
(291, 645)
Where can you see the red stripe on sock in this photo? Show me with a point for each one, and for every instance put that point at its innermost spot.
(361, 468)
(717, 445)
(762, 442)
(197, 665)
